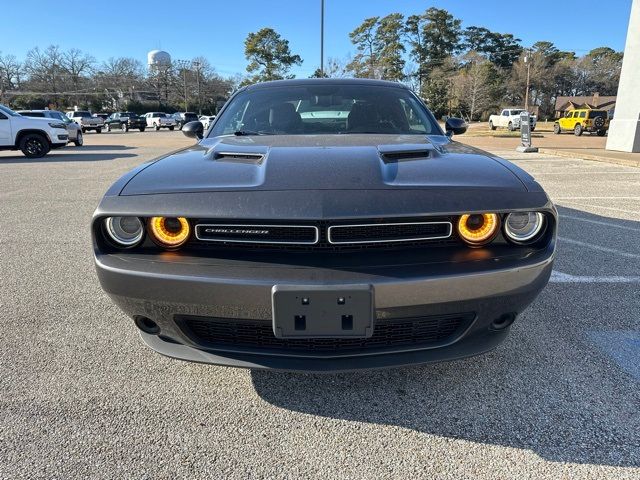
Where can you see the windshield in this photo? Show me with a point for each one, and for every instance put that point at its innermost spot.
(82, 114)
(8, 111)
(326, 109)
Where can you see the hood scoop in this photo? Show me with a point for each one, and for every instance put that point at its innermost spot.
(242, 157)
(251, 154)
(405, 153)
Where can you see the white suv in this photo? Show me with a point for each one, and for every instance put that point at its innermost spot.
(34, 136)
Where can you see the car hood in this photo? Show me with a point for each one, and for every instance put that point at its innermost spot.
(324, 162)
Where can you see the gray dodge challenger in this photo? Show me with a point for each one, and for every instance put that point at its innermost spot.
(324, 225)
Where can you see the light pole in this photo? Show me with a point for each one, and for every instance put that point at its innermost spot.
(322, 38)
(526, 93)
(197, 66)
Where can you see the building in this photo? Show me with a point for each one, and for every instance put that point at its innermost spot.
(593, 102)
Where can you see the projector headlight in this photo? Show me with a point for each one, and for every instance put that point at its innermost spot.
(169, 232)
(124, 231)
(523, 227)
(479, 228)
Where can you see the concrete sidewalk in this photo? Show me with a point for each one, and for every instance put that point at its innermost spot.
(596, 154)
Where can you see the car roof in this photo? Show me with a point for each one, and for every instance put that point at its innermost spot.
(325, 81)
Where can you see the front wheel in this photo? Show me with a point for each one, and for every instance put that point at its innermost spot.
(577, 131)
(156, 127)
(34, 145)
(98, 130)
(79, 141)
(171, 128)
(511, 129)
(492, 126)
(124, 127)
(556, 129)
(602, 133)
(142, 129)
(107, 127)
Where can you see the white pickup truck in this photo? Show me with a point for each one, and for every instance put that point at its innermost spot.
(509, 118)
(159, 120)
(34, 136)
(86, 120)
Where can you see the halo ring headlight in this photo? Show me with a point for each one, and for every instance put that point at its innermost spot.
(479, 228)
(169, 232)
(523, 227)
(124, 231)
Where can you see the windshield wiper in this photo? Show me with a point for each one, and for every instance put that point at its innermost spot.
(245, 133)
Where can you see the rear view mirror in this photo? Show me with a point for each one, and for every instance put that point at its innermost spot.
(193, 130)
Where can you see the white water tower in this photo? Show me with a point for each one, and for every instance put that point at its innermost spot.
(158, 60)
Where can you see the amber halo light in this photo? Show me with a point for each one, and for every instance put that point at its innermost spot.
(478, 228)
(169, 232)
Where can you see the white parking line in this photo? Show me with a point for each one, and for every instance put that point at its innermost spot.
(559, 277)
(597, 222)
(615, 251)
(622, 346)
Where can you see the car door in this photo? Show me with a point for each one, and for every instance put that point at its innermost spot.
(5, 129)
(504, 118)
(565, 120)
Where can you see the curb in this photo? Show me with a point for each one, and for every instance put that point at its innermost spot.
(590, 156)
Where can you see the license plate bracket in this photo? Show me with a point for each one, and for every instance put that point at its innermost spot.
(323, 312)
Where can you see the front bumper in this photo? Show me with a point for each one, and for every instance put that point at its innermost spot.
(169, 287)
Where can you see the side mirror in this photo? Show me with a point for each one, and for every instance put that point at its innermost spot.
(455, 126)
(193, 130)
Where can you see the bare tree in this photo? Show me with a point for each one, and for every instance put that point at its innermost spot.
(10, 71)
(77, 64)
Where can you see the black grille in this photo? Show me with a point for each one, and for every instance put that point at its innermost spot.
(367, 234)
(276, 234)
(391, 232)
(406, 333)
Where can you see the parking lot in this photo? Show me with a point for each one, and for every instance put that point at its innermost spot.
(81, 396)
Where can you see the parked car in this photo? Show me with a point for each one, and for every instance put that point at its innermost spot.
(35, 137)
(184, 117)
(125, 121)
(510, 118)
(207, 120)
(73, 129)
(583, 120)
(322, 225)
(86, 120)
(159, 120)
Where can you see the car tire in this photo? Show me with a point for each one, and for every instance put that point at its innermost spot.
(84, 130)
(172, 128)
(601, 133)
(34, 145)
(511, 129)
(156, 127)
(107, 127)
(492, 126)
(556, 129)
(142, 129)
(124, 127)
(98, 130)
(79, 141)
(577, 131)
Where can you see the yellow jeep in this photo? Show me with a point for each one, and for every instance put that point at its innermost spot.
(583, 120)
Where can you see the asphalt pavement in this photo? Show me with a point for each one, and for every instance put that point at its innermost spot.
(81, 397)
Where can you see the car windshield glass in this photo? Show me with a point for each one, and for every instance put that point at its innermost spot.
(326, 109)
(82, 114)
(128, 114)
(8, 111)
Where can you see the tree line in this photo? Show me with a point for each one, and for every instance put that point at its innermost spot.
(468, 72)
(57, 78)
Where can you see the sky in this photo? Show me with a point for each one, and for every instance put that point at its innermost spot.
(217, 29)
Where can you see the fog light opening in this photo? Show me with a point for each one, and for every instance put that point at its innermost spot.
(147, 325)
(503, 321)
